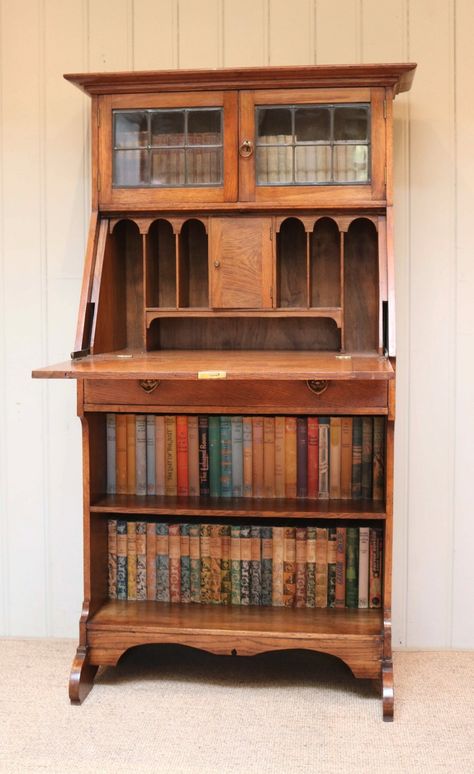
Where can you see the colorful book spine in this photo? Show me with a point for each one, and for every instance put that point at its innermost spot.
(193, 456)
(110, 424)
(132, 560)
(257, 456)
(150, 455)
(255, 566)
(267, 550)
(141, 560)
(311, 566)
(346, 458)
(313, 457)
(131, 454)
(214, 457)
(335, 457)
(323, 470)
(290, 457)
(237, 456)
(247, 476)
(340, 566)
(235, 563)
(375, 567)
(289, 567)
(226, 574)
(279, 456)
(301, 457)
(171, 477)
(216, 559)
(185, 561)
(269, 457)
(140, 455)
(322, 567)
(363, 583)
(162, 563)
(160, 446)
(277, 565)
(378, 477)
(332, 556)
(195, 562)
(206, 567)
(226, 456)
(203, 427)
(245, 559)
(352, 566)
(357, 458)
(150, 561)
(367, 461)
(121, 453)
(122, 564)
(112, 556)
(300, 555)
(182, 475)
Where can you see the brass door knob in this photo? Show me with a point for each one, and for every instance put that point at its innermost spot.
(217, 264)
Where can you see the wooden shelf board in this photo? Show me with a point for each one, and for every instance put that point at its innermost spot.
(155, 617)
(240, 364)
(238, 507)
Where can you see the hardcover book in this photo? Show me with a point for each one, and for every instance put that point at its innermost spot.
(131, 560)
(257, 456)
(301, 457)
(237, 456)
(122, 563)
(160, 445)
(150, 561)
(206, 564)
(378, 478)
(150, 455)
(279, 456)
(182, 475)
(290, 457)
(269, 457)
(195, 562)
(226, 576)
(247, 457)
(185, 560)
(346, 458)
(300, 550)
(289, 566)
(171, 474)
(141, 560)
(321, 567)
(203, 426)
(267, 553)
(323, 467)
(131, 454)
(121, 453)
(255, 566)
(112, 556)
(363, 591)
(162, 563)
(214, 457)
(235, 563)
(357, 458)
(226, 456)
(277, 565)
(367, 459)
(335, 457)
(140, 455)
(352, 566)
(313, 457)
(193, 457)
(332, 552)
(311, 566)
(110, 423)
(340, 566)
(245, 559)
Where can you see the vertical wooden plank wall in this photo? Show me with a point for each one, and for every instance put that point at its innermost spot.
(43, 221)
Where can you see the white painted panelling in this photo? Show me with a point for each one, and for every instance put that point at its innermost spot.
(44, 176)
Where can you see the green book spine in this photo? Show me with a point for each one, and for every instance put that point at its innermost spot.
(226, 456)
(122, 565)
(206, 567)
(378, 489)
(162, 563)
(255, 566)
(185, 564)
(235, 563)
(237, 456)
(195, 562)
(311, 567)
(332, 546)
(214, 457)
(245, 557)
(267, 576)
(352, 565)
(357, 458)
(226, 579)
(367, 454)
(141, 560)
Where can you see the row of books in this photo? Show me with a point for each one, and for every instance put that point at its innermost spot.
(234, 456)
(304, 566)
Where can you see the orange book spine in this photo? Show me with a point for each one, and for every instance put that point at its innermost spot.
(131, 455)
(175, 562)
(121, 453)
(171, 478)
(279, 456)
(277, 566)
(247, 456)
(160, 446)
(290, 457)
(257, 456)
(335, 457)
(269, 457)
(346, 458)
(182, 478)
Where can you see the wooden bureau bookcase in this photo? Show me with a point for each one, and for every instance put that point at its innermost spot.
(239, 261)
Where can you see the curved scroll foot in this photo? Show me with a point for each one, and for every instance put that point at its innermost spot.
(387, 690)
(82, 676)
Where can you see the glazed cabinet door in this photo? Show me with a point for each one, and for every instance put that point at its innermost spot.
(324, 146)
(240, 262)
(157, 149)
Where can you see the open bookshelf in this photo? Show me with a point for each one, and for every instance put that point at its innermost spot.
(240, 273)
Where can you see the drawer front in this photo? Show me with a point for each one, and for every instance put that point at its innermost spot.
(343, 397)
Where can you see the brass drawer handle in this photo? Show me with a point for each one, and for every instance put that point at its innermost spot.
(317, 386)
(149, 385)
(246, 148)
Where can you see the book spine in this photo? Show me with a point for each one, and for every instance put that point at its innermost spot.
(245, 558)
(206, 566)
(363, 595)
(267, 550)
(131, 454)
(185, 559)
(269, 457)
(160, 446)
(357, 458)
(182, 479)
(162, 563)
(110, 424)
(301, 457)
(375, 567)
(311, 566)
(352, 566)
(226, 577)
(378, 487)
(151, 561)
(300, 545)
(247, 456)
(340, 566)
(112, 557)
(237, 456)
(335, 457)
(132, 560)
(346, 458)
(279, 456)
(195, 562)
(193, 456)
(257, 456)
(322, 567)
(313, 457)
(141, 561)
(121, 453)
(277, 566)
(290, 456)
(214, 457)
(367, 462)
(255, 566)
(323, 470)
(235, 563)
(289, 566)
(203, 425)
(140, 455)
(150, 455)
(171, 477)
(226, 456)
(122, 564)
(332, 555)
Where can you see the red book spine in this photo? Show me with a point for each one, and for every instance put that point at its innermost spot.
(313, 456)
(182, 454)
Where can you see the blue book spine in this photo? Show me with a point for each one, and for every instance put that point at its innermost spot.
(237, 456)
(150, 454)
(214, 457)
(162, 563)
(267, 575)
(226, 456)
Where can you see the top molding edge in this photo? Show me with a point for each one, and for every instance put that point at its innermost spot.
(398, 77)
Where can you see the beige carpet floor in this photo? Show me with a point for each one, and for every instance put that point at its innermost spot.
(168, 709)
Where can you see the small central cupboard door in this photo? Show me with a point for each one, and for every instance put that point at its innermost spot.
(241, 261)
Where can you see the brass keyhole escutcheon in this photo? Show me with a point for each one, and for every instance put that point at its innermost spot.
(317, 386)
(149, 385)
